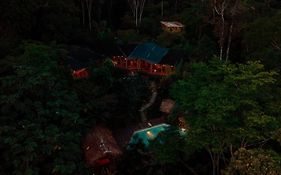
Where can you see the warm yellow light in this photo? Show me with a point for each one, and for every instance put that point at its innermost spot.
(149, 134)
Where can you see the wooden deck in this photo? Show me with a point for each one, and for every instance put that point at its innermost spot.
(136, 65)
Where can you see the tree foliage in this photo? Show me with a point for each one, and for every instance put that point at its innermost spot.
(263, 40)
(40, 121)
(233, 110)
(254, 162)
(224, 106)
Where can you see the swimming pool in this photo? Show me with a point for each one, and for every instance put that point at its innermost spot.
(147, 134)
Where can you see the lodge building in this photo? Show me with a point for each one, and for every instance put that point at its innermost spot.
(172, 26)
(148, 58)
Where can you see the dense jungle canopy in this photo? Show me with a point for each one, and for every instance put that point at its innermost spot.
(226, 87)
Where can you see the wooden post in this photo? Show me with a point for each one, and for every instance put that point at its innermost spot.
(162, 9)
(137, 64)
(126, 63)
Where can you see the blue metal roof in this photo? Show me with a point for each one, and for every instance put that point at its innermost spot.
(150, 52)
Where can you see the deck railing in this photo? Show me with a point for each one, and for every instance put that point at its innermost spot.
(138, 65)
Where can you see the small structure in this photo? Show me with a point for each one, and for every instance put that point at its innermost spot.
(167, 105)
(79, 58)
(100, 147)
(172, 26)
(80, 74)
(147, 134)
(124, 135)
(148, 58)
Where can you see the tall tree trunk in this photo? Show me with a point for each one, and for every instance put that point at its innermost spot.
(83, 12)
(218, 164)
(222, 35)
(109, 9)
(89, 4)
(141, 8)
(220, 11)
(162, 9)
(137, 7)
(136, 15)
(176, 6)
(229, 41)
(213, 162)
(90, 14)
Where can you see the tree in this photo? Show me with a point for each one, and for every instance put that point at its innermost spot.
(277, 135)
(40, 129)
(132, 91)
(219, 8)
(224, 107)
(137, 7)
(262, 40)
(254, 162)
(41, 20)
(96, 95)
(227, 20)
(86, 9)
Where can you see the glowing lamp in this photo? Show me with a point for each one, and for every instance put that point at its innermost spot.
(149, 134)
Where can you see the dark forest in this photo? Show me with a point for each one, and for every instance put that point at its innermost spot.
(140, 87)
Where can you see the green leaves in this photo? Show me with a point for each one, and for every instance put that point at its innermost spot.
(277, 135)
(41, 120)
(224, 105)
(254, 162)
(262, 39)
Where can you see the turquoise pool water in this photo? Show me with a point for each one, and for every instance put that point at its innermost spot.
(147, 134)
